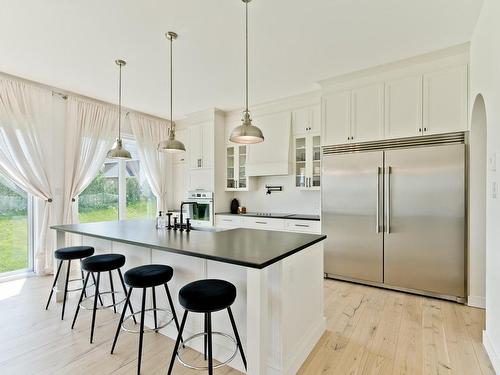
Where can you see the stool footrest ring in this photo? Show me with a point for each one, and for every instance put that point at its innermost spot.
(56, 289)
(225, 362)
(91, 298)
(146, 330)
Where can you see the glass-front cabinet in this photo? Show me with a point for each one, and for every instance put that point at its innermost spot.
(236, 159)
(308, 162)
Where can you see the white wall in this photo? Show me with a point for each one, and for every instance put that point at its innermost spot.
(290, 200)
(485, 80)
(477, 205)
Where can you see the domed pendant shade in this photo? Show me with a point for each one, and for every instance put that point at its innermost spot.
(171, 145)
(118, 151)
(246, 133)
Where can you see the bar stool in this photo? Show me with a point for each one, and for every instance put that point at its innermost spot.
(68, 254)
(143, 277)
(207, 297)
(98, 264)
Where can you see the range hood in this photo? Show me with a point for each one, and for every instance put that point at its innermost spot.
(271, 157)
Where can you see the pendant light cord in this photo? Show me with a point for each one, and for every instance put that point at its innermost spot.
(120, 104)
(171, 91)
(246, 52)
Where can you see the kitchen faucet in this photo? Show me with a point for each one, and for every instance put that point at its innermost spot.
(182, 205)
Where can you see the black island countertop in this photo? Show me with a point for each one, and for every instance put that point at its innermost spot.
(252, 248)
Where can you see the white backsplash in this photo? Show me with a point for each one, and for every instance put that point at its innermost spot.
(290, 200)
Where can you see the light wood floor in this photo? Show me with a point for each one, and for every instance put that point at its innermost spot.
(369, 331)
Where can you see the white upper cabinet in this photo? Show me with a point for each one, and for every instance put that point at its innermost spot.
(445, 100)
(396, 104)
(306, 120)
(336, 117)
(353, 116)
(403, 107)
(183, 136)
(271, 157)
(367, 113)
(201, 140)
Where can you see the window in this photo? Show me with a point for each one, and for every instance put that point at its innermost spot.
(119, 191)
(99, 201)
(140, 201)
(15, 248)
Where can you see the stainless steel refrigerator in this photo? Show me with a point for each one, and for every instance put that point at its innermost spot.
(395, 216)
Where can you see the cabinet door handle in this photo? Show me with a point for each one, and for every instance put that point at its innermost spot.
(199, 163)
(260, 222)
(302, 225)
(425, 129)
(229, 220)
(420, 130)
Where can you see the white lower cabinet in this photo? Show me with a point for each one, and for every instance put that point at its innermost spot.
(303, 226)
(228, 221)
(286, 225)
(264, 223)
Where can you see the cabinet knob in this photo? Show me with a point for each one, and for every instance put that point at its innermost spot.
(425, 129)
(420, 130)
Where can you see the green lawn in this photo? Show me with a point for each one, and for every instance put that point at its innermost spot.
(14, 231)
(13, 243)
(139, 210)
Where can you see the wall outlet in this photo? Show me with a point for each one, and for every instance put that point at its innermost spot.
(492, 162)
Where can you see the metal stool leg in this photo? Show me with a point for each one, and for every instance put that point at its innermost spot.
(238, 341)
(112, 291)
(205, 337)
(177, 342)
(95, 306)
(141, 332)
(125, 291)
(209, 337)
(118, 329)
(83, 278)
(100, 299)
(54, 284)
(173, 310)
(154, 308)
(80, 301)
(66, 289)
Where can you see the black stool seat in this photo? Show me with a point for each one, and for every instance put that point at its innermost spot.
(148, 276)
(209, 295)
(103, 262)
(73, 252)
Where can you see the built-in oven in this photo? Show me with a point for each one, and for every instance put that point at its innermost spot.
(201, 213)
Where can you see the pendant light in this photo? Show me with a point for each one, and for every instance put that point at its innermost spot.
(118, 152)
(171, 145)
(246, 133)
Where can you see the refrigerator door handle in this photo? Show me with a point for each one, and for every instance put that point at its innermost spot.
(377, 219)
(388, 200)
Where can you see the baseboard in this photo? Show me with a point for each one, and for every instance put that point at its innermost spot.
(490, 350)
(305, 347)
(477, 301)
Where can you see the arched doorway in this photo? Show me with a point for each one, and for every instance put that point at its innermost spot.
(477, 204)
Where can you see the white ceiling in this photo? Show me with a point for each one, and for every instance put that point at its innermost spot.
(73, 45)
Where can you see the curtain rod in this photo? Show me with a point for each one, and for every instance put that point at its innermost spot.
(64, 94)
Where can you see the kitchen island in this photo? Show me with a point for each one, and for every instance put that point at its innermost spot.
(278, 276)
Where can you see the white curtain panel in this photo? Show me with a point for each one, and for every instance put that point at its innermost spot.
(147, 133)
(25, 154)
(89, 131)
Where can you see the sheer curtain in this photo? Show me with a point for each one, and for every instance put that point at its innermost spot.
(147, 133)
(88, 136)
(25, 154)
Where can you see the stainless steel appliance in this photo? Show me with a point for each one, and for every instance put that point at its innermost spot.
(201, 214)
(394, 212)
